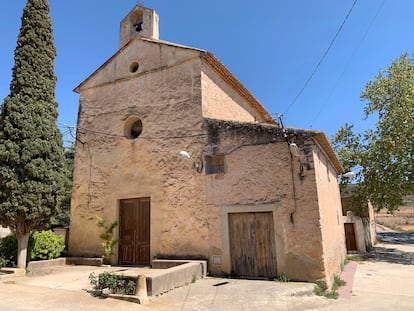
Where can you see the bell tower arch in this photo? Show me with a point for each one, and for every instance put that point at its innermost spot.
(140, 22)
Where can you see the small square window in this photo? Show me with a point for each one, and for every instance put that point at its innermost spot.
(215, 164)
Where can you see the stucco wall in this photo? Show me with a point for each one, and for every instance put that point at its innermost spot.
(171, 93)
(110, 167)
(220, 101)
(259, 177)
(151, 56)
(333, 236)
(165, 94)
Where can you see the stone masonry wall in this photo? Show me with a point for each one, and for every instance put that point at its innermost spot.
(259, 174)
(333, 236)
(110, 167)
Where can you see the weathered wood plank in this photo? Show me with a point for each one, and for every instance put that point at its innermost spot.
(252, 245)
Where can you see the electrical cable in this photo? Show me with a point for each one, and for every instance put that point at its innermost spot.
(348, 62)
(321, 60)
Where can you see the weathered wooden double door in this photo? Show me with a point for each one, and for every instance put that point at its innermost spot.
(134, 232)
(252, 245)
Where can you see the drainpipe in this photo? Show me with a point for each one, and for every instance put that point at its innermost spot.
(294, 152)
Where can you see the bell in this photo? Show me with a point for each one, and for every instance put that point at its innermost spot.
(138, 27)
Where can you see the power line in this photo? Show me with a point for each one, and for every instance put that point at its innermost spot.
(348, 62)
(322, 58)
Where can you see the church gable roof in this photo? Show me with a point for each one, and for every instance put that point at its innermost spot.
(142, 49)
(143, 53)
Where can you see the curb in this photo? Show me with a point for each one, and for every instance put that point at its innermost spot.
(348, 275)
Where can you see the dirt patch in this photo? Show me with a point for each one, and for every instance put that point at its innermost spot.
(403, 219)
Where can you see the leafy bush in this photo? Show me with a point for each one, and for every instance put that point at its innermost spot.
(115, 283)
(42, 245)
(8, 250)
(107, 237)
(4, 262)
(46, 245)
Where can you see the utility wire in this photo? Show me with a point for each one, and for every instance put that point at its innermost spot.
(348, 62)
(322, 58)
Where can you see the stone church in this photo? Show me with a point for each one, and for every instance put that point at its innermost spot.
(177, 151)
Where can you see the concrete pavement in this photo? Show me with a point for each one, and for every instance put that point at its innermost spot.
(65, 290)
(380, 286)
(384, 282)
(61, 290)
(213, 294)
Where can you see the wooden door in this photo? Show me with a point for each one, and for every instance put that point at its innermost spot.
(252, 245)
(134, 232)
(350, 237)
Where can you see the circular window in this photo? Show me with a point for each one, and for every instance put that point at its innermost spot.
(134, 67)
(133, 127)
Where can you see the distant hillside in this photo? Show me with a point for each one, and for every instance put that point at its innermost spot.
(403, 219)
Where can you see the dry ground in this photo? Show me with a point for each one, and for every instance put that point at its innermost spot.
(403, 219)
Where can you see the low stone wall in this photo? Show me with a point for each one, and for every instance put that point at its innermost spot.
(167, 263)
(167, 274)
(177, 276)
(41, 267)
(82, 261)
(7, 273)
(44, 266)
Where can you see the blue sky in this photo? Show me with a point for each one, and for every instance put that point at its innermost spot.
(271, 46)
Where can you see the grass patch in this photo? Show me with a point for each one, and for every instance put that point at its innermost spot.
(283, 279)
(338, 282)
(330, 294)
(357, 258)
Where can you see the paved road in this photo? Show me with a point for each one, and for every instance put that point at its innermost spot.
(384, 282)
(15, 297)
(393, 237)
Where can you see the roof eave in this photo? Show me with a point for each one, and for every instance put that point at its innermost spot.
(321, 139)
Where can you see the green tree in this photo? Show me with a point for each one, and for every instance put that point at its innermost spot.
(32, 163)
(383, 156)
(62, 214)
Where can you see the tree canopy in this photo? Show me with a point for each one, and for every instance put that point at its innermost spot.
(383, 156)
(32, 163)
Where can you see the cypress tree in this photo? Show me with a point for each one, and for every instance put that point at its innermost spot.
(32, 165)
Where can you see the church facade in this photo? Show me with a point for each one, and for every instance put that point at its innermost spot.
(176, 150)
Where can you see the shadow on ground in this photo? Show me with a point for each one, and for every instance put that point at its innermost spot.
(393, 255)
(396, 237)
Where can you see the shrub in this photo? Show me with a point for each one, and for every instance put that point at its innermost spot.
(4, 262)
(46, 245)
(107, 237)
(42, 245)
(115, 283)
(8, 250)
